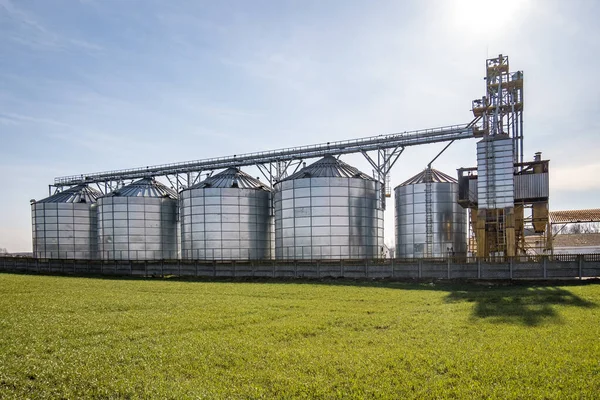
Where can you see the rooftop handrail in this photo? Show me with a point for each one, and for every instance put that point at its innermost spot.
(338, 147)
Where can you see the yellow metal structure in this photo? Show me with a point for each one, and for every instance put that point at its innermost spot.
(503, 230)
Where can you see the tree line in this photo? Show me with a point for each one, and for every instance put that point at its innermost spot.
(572, 229)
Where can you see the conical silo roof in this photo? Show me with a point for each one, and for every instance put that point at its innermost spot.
(231, 178)
(76, 194)
(429, 175)
(328, 167)
(145, 187)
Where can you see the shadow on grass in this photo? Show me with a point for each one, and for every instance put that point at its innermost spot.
(522, 305)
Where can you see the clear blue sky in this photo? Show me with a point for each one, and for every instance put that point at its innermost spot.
(94, 85)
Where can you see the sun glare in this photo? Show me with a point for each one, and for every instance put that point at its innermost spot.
(485, 17)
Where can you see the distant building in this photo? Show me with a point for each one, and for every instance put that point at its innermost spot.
(577, 243)
(21, 254)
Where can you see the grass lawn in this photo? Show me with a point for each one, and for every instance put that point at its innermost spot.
(64, 337)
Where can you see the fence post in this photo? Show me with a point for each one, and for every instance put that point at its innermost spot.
(510, 267)
(420, 263)
(580, 262)
(367, 268)
(393, 272)
(478, 268)
(448, 267)
(544, 266)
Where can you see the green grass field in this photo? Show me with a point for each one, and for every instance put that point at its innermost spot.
(63, 337)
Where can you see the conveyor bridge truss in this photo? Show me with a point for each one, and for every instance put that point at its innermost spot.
(381, 151)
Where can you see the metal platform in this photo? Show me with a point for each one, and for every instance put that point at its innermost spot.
(274, 164)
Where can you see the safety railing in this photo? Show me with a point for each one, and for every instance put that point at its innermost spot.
(583, 266)
(445, 133)
(299, 253)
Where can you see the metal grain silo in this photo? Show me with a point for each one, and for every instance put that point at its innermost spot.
(138, 222)
(429, 220)
(328, 210)
(227, 217)
(64, 225)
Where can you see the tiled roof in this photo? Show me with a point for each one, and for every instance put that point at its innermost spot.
(575, 216)
(576, 240)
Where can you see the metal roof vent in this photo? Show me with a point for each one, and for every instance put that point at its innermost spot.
(328, 167)
(76, 194)
(429, 175)
(231, 178)
(145, 187)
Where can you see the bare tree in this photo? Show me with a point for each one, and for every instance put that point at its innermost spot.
(572, 229)
(575, 229)
(592, 227)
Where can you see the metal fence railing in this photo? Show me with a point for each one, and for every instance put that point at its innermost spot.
(449, 268)
(296, 254)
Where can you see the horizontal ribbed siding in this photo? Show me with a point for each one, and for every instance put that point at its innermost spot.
(328, 218)
(225, 224)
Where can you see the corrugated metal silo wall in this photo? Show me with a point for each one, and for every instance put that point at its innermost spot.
(226, 224)
(64, 230)
(449, 222)
(328, 218)
(495, 182)
(137, 228)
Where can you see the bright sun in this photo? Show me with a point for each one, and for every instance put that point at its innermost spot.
(484, 17)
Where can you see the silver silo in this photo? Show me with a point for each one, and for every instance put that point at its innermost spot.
(429, 220)
(64, 225)
(227, 216)
(328, 210)
(138, 222)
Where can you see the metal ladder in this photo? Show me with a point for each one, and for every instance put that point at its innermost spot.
(428, 215)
